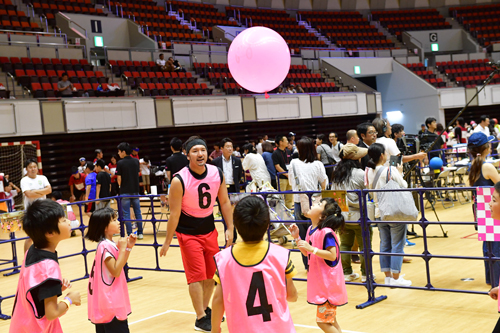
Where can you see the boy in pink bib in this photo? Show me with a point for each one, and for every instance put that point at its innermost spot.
(36, 308)
(109, 304)
(325, 281)
(254, 277)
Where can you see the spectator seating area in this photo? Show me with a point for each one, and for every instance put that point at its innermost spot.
(467, 73)
(13, 19)
(9, 65)
(420, 70)
(397, 21)
(347, 29)
(201, 15)
(481, 21)
(134, 79)
(295, 35)
(173, 89)
(41, 90)
(48, 9)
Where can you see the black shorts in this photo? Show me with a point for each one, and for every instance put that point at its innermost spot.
(78, 194)
(115, 326)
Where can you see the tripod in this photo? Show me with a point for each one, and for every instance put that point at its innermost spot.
(415, 180)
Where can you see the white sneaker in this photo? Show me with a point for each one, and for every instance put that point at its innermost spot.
(400, 282)
(388, 280)
(351, 277)
(140, 236)
(363, 278)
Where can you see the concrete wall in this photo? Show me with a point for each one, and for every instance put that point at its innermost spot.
(369, 66)
(448, 40)
(116, 32)
(404, 91)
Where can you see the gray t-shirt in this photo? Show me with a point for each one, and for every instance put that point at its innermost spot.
(324, 150)
(63, 84)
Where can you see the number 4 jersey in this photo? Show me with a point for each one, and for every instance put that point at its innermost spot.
(255, 296)
(199, 195)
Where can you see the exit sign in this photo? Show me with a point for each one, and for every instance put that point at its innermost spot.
(357, 69)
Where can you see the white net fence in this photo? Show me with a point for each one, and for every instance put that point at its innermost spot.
(12, 162)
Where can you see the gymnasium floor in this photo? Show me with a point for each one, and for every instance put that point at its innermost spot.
(160, 301)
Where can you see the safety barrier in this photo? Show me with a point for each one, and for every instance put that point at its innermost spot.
(364, 222)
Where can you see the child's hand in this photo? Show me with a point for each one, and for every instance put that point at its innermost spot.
(294, 231)
(131, 240)
(305, 246)
(494, 293)
(122, 243)
(65, 284)
(75, 298)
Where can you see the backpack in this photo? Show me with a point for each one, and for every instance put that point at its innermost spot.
(394, 205)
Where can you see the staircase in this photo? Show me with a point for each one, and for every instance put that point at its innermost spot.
(318, 35)
(388, 35)
(439, 75)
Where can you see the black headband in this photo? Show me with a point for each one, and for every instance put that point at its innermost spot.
(195, 142)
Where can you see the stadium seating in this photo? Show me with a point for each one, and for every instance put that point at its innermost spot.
(47, 9)
(398, 21)
(13, 19)
(481, 21)
(347, 29)
(429, 76)
(467, 73)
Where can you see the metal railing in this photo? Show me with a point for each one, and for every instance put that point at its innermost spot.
(29, 45)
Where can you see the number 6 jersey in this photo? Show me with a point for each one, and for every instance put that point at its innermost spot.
(199, 195)
(255, 296)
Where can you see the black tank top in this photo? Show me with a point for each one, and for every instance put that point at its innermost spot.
(481, 181)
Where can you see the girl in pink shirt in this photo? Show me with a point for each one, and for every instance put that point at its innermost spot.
(109, 303)
(325, 281)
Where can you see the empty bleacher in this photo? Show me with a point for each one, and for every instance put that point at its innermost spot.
(398, 21)
(467, 73)
(48, 9)
(347, 29)
(296, 36)
(426, 74)
(481, 21)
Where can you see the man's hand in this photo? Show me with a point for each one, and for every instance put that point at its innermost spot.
(421, 155)
(229, 237)
(164, 249)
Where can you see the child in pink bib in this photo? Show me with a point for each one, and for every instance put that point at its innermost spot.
(109, 303)
(325, 281)
(254, 277)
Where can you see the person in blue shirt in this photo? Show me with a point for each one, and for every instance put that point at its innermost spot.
(267, 155)
(90, 187)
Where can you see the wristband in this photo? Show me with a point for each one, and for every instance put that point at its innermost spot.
(315, 250)
(297, 239)
(128, 249)
(65, 301)
(69, 300)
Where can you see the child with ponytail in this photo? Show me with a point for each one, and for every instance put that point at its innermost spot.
(108, 300)
(325, 281)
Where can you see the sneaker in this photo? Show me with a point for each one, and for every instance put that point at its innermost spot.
(411, 233)
(388, 280)
(363, 278)
(203, 325)
(140, 236)
(400, 282)
(408, 243)
(351, 277)
(208, 312)
(355, 259)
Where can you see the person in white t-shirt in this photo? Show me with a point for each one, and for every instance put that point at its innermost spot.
(11, 191)
(34, 187)
(310, 176)
(255, 163)
(336, 146)
(384, 130)
(484, 125)
(145, 172)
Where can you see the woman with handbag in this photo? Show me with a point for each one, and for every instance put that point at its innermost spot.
(325, 154)
(392, 235)
(305, 173)
(349, 176)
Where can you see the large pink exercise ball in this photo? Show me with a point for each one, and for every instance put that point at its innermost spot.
(259, 59)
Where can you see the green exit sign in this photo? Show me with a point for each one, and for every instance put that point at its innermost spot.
(357, 69)
(98, 41)
(434, 47)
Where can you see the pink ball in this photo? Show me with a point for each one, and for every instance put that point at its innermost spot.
(259, 59)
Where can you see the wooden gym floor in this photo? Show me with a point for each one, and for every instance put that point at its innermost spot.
(160, 300)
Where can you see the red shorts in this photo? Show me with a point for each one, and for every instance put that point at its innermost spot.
(198, 255)
(90, 207)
